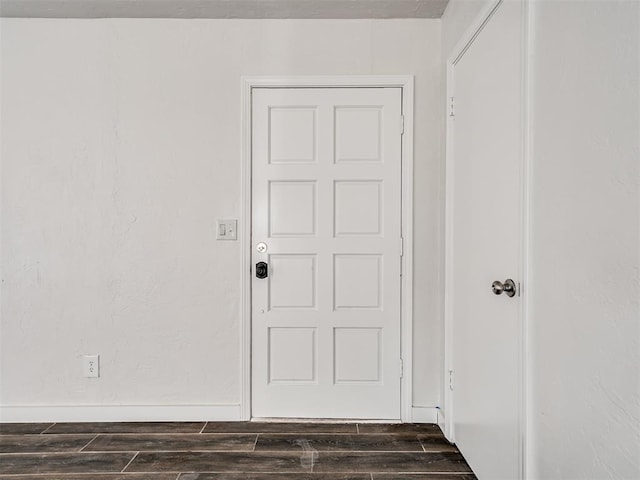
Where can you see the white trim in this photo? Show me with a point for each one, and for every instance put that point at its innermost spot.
(424, 414)
(320, 420)
(406, 314)
(462, 46)
(244, 227)
(473, 31)
(119, 413)
(442, 420)
(526, 215)
(406, 83)
(448, 260)
(328, 81)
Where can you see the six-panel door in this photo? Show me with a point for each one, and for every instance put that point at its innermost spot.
(326, 200)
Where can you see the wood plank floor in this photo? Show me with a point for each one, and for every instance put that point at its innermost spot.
(228, 451)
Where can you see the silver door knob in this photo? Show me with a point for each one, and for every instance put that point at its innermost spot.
(508, 287)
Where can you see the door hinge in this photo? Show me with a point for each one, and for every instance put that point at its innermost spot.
(401, 368)
(451, 380)
(452, 107)
(401, 253)
(401, 124)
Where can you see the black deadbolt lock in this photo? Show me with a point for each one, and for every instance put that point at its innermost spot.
(262, 270)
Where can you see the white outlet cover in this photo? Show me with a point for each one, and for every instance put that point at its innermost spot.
(91, 366)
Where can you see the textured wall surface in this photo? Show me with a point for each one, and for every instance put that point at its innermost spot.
(585, 304)
(120, 149)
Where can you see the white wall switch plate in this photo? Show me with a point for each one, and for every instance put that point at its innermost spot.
(226, 230)
(91, 366)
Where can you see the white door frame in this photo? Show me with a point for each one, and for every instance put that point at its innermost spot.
(404, 82)
(525, 201)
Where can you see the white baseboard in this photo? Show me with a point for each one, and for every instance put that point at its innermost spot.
(441, 420)
(119, 413)
(424, 414)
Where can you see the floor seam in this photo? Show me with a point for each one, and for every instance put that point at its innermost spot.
(90, 441)
(124, 434)
(292, 453)
(204, 427)
(130, 462)
(48, 428)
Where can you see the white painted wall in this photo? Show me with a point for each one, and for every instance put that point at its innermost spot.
(584, 290)
(120, 148)
(585, 310)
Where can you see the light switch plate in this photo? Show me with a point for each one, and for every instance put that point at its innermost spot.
(226, 230)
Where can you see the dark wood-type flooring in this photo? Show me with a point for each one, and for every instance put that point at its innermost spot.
(228, 451)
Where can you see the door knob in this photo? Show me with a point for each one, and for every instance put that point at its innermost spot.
(508, 287)
(262, 270)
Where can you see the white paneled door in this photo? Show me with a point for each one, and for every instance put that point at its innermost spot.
(326, 240)
(486, 220)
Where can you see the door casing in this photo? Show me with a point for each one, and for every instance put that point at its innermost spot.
(404, 82)
(447, 421)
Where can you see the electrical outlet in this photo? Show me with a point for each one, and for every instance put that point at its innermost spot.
(91, 366)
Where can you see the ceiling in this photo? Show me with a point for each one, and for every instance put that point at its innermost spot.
(222, 8)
